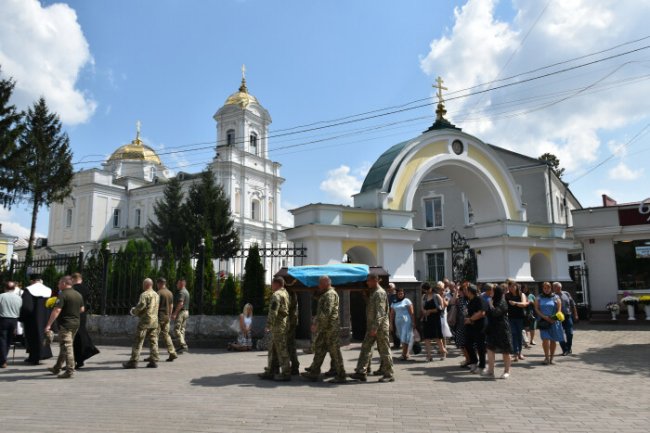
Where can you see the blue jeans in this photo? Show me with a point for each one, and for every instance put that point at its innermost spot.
(568, 331)
(516, 327)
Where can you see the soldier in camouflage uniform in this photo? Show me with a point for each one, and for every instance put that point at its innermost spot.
(377, 330)
(147, 311)
(328, 329)
(277, 324)
(291, 332)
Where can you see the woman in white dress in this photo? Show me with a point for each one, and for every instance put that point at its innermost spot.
(245, 331)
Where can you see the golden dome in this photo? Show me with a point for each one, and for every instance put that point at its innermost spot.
(135, 151)
(242, 97)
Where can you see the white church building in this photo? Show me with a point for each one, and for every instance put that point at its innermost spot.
(116, 201)
(513, 211)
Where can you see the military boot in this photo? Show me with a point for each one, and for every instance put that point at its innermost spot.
(358, 376)
(265, 376)
(311, 376)
(282, 377)
(130, 364)
(66, 375)
(172, 356)
(152, 364)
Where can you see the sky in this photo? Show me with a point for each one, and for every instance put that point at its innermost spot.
(102, 66)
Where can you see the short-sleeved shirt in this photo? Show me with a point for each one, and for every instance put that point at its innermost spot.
(70, 302)
(474, 306)
(567, 303)
(183, 295)
(10, 304)
(166, 302)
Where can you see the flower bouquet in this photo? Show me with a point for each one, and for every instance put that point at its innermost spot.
(50, 302)
(644, 299)
(559, 316)
(630, 300)
(613, 309)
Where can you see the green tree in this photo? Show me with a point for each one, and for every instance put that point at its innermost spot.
(209, 274)
(207, 209)
(46, 171)
(253, 284)
(227, 302)
(50, 277)
(11, 154)
(170, 225)
(185, 269)
(554, 162)
(168, 267)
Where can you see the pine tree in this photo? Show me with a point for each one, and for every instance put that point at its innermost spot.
(185, 268)
(11, 128)
(170, 226)
(207, 209)
(168, 267)
(209, 275)
(227, 302)
(554, 162)
(46, 172)
(253, 284)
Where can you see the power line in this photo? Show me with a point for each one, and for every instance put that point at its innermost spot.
(401, 110)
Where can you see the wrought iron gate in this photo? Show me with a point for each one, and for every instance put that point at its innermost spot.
(463, 259)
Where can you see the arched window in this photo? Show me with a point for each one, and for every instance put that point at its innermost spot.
(255, 209)
(253, 144)
(271, 211)
(68, 218)
(152, 172)
(230, 137)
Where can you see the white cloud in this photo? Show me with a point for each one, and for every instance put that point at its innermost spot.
(478, 45)
(623, 172)
(44, 50)
(284, 216)
(340, 185)
(11, 225)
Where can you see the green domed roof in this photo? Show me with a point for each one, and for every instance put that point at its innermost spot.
(377, 173)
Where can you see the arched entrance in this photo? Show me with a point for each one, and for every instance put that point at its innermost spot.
(360, 254)
(540, 267)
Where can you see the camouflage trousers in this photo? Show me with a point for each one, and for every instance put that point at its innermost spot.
(382, 338)
(328, 342)
(278, 358)
(163, 331)
(145, 332)
(291, 348)
(66, 353)
(179, 327)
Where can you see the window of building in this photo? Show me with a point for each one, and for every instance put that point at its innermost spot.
(230, 137)
(253, 144)
(255, 209)
(271, 211)
(469, 213)
(435, 266)
(116, 218)
(433, 212)
(632, 264)
(138, 217)
(237, 202)
(152, 172)
(68, 218)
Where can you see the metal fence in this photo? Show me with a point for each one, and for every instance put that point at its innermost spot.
(114, 278)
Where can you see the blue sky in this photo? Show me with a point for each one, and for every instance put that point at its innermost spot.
(172, 64)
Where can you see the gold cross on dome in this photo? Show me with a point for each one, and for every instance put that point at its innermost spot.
(440, 88)
(243, 72)
(138, 124)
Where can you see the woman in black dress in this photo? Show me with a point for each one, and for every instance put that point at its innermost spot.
(430, 316)
(498, 334)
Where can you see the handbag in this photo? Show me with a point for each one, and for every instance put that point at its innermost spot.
(543, 324)
(452, 312)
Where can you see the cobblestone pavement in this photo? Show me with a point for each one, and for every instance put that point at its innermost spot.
(603, 387)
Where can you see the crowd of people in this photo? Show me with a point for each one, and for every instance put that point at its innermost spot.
(33, 315)
(481, 321)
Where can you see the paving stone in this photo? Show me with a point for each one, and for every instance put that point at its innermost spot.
(604, 386)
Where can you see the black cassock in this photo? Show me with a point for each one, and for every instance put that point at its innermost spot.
(34, 316)
(83, 344)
